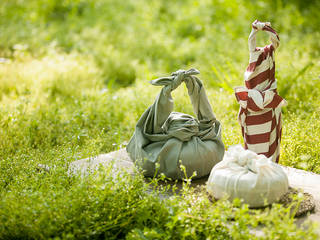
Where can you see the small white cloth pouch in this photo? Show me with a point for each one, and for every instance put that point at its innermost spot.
(246, 175)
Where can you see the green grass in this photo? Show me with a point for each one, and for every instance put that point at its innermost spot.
(74, 82)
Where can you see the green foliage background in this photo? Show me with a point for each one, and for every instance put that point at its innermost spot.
(74, 80)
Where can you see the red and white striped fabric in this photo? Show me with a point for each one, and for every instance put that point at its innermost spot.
(260, 104)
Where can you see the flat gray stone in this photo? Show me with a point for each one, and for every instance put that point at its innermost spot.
(119, 159)
(307, 181)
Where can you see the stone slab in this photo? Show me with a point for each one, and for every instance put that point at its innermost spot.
(119, 159)
(300, 179)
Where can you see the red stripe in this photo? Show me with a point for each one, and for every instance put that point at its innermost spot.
(259, 119)
(273, 124)
(271, 82)
(258, 138)
(271, 49)
(267, 154)
(242, 131)
(279, 129)
(243, 96)
(268, 50)
(252, 66)
(271, 151)
(275, 102)
(252, 105)
(260, 78)
(273, 147)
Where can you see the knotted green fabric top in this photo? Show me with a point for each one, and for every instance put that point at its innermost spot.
(165, 137)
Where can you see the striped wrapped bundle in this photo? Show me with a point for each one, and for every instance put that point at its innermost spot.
(260, 104)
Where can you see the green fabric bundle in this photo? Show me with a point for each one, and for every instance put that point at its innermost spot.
(172, 138)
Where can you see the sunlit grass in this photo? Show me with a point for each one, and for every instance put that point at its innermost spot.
(74, 81)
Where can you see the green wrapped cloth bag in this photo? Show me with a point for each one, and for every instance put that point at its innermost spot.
(164, 139)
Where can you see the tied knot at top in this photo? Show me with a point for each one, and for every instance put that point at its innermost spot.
(180, 125)
(175, 79)
(263, 26)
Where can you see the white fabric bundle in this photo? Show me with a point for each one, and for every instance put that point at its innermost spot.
(246, 175)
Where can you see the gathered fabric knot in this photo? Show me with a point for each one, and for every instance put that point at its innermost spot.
(175, 79)
(264, 26)
(181, 126)
(237, 157)
(260, 25)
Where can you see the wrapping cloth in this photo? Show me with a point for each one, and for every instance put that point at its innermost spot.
(260, 104)
(165, 137)
(245, 175)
